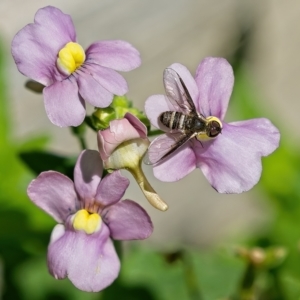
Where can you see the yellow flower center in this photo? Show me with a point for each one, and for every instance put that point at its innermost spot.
(70, 57)
(87, 222)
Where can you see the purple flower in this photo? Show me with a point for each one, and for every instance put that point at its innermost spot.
(47, 52)
(89, 212)
(231, 161)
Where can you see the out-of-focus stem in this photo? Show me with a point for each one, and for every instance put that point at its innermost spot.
(147, 189)
(82, 142)
(79, 132)
(247, 290)
(155, 132)
(190, 277)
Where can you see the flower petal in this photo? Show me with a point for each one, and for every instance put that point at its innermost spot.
(89, 261)
(92, 91)
(155, 105)
(232, 162)
(127, 220)
(87, 174)
(139, 126)
(57, 232)
(177, 165)
(35, 47)
(120, 131)
(111, 188)
(115, 54)
(63, 104)
(54, 193)
(108, 78)
(215, 79)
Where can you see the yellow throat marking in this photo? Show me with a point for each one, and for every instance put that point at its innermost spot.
(70, 57)
(87, 222)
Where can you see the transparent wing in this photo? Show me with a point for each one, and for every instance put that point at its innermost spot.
(177, 93)
(163, 146)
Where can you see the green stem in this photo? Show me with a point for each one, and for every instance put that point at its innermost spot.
(79, 132)
(155, 132)
(119, 249)
(190, 277)
(247, 289)
(82, 142)
(277, 285)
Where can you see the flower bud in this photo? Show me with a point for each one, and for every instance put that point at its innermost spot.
(122, 146)
(266, 258)
(102, 116)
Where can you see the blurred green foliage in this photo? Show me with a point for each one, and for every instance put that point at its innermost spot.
(221, 273)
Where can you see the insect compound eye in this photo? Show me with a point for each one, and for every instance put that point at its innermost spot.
(214, 129)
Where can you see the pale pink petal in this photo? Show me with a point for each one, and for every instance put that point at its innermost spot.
(35, 47)
(87, 174)
(63, 104)
(155, 105)
(214, 78)
(115, 54)
(108, 78)
(119, 131)
(54, 193)
(111, 188)
(127, 220)
(92, 91)
(139, 126)
(57, 232)
(89, 261)
(232, 162)
(177, 165)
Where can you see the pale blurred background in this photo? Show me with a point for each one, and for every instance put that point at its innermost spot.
(168, 31)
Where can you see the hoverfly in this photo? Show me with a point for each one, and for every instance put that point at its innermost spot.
(183, 123)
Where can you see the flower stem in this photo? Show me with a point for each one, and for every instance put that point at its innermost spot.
(82, 142)
(247, 290)
(147, 189)
(79, 132)
(154, 132)
(118, 247)
(190, 277)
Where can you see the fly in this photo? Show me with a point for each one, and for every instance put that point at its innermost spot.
(183, 123)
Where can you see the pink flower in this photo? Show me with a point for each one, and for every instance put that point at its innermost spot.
(127, 129)
(232, 160)
(89, 212)
(47, 52)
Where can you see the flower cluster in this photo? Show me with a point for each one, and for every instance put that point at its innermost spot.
(89, 210)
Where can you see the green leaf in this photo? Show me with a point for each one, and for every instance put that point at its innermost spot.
(40, 161)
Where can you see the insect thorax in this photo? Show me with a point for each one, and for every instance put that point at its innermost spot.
(180, 121)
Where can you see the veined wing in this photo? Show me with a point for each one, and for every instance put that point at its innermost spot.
(177, 92)
(165, 145)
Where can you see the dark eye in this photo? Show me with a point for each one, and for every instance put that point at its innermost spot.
(214, 129)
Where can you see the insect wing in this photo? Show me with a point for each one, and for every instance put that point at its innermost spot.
(177, 93)
(163, 146)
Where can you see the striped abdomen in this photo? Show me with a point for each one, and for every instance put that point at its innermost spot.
(180, 121)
